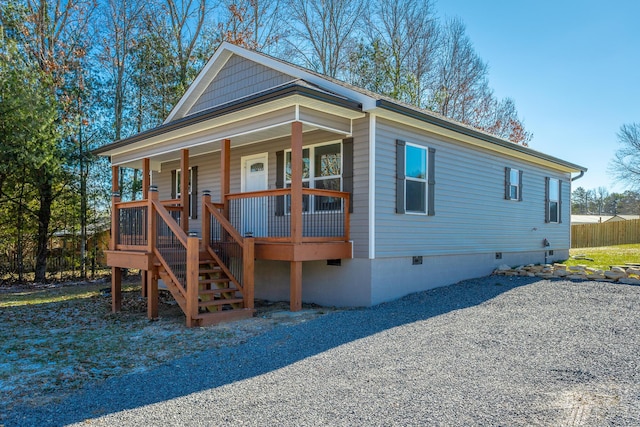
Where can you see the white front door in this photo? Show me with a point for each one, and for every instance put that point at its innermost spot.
(255, 173)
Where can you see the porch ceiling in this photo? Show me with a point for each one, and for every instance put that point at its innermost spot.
(251, 124)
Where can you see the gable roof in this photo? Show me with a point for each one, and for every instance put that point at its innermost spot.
(297, 80)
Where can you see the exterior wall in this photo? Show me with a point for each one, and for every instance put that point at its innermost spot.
(367, 282)
(238, 78)
(360, 199)
(471, 214)
(392, 278)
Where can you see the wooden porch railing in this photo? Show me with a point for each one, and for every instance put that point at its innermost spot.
(178, 253)
(265, 215)
(233, 253)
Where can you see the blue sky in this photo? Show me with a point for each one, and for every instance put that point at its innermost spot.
(572, 67)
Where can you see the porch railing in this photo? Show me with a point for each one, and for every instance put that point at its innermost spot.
(233, 253)
(132, 224)
(178, 253)
(265, 215)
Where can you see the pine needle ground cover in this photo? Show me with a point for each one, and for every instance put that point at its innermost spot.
(57, 338)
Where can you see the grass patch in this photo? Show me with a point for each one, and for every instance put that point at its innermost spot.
(605, 256)
(53, 295)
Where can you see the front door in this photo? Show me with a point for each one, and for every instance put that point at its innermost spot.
(255, 174)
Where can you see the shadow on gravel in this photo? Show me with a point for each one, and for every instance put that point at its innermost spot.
(273, 350)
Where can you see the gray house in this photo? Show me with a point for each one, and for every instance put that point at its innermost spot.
(323, 192)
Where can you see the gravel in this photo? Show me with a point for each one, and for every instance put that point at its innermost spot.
(490, 351)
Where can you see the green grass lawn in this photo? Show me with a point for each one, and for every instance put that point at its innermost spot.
(604, 257)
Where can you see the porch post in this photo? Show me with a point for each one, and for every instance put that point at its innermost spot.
(151, 277)
(146, 178)
(295, 277)
(184, 189)
(225, 174)
(116, 272)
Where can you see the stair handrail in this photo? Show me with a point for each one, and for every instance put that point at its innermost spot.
(246, 244)
(192, 247)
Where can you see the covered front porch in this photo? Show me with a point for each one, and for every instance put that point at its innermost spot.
(206, 257)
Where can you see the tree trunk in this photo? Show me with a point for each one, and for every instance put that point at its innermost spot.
(44, 217)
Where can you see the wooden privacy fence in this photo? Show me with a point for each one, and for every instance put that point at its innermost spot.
(605, 234)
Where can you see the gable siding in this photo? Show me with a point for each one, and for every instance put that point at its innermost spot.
(238, 78)
(471, 213)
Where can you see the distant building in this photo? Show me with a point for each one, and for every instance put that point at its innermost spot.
(595, 219)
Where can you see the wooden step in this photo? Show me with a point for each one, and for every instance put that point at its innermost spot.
(219, 280)
(207, 319)
(217, 291)
(220, 302)
(209, 270)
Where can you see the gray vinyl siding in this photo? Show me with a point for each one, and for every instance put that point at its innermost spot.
(238, 78)
(471, 213)
(207, 180)
(360, 200)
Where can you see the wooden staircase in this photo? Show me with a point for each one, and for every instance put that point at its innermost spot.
(219, 300)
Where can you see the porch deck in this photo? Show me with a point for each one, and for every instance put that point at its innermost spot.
(149, 235)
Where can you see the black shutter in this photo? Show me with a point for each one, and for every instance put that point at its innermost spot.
(559, 201)
(280, 182)
(400, 176)
(431, 188)
(173, 184)
(507, 183)
(546, 199)
(520, 185)
(194, 192)
(347, 169)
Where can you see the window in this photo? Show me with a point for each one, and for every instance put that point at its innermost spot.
(321, 169)
(176, 184)
(553, 200)
(512, 184)
(415, 178)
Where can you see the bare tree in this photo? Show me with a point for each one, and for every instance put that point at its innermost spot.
(256, 24)
(322, 30)
(461, 77)
(121, 24)
(186, 21)
(625, 166)
(408, 32)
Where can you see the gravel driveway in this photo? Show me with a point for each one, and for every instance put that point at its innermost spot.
(490, 351)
